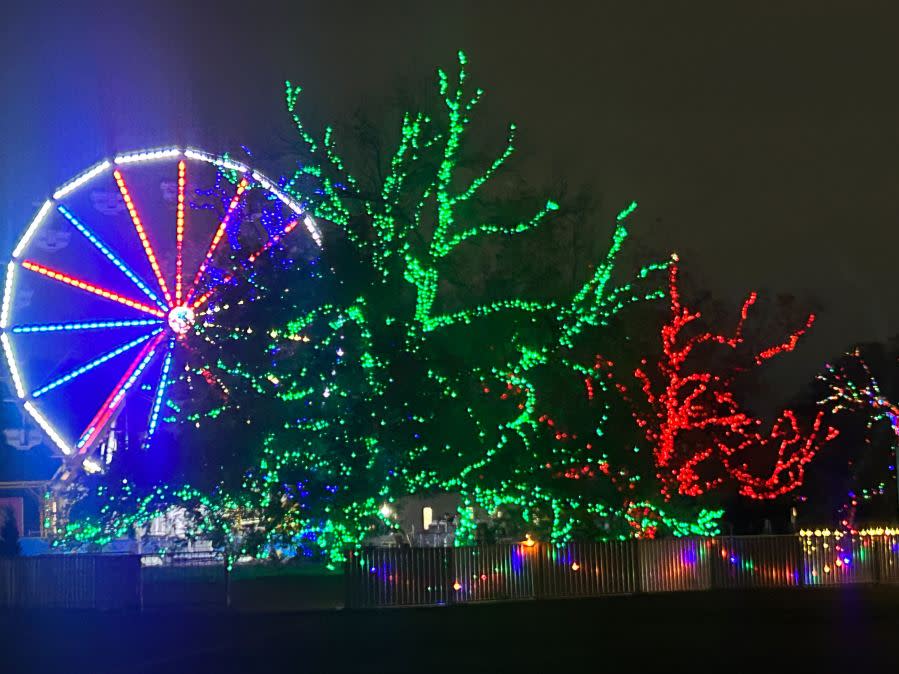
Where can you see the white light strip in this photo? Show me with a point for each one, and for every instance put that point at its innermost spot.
(47, 428)
(13, 368)
(147, 155)
(32, 228)
(190, 153)
(314, 231)
(7, 294)
(80, 180)
(90, 466)
(267, 184)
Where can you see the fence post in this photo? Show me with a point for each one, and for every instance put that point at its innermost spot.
(140, 583)
(715, 561)
(539, 570)
(801, 563)
(638, 566)
(348, 598)
(449, 580)
(879, 555)
(227, 580)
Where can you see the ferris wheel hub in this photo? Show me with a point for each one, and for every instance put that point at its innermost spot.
(181, 319)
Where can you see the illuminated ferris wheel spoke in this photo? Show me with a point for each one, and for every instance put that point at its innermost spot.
(141, 233)
(85, 325)
(241, 186)
(89, 287)
(200, 301)
(132, 374)
(159, 395)
(274, 240)
(179, 230)
(112, 257)
(96, 362)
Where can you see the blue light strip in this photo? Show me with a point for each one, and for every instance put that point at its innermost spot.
(133, 378)
(92, 364)
(160, 394)
(94, 325)
(112, 257)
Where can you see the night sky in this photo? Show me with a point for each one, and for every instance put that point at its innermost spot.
(762, 144)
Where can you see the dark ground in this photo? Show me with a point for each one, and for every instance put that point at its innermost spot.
(813, 630)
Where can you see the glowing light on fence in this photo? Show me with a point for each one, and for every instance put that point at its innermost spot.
(47, 428)
(96, 362)
(112, 257)
(145, 241)
(88, 287)
(32, 228)
(77, 182)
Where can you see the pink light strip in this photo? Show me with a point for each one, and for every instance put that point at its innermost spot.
(179, 232)
(118, 393)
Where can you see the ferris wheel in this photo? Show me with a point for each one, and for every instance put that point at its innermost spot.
(113, 276)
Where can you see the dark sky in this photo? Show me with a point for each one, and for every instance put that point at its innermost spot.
(765, 140)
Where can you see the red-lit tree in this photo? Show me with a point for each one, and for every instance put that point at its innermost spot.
(702, 437)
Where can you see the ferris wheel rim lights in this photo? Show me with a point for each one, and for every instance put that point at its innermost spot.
(161, 316)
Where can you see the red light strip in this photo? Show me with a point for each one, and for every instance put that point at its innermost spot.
(250, 260)
(241, 186)
(83, 285)
(179, 233)
(148, 249)
(275, 239)
(110, 404)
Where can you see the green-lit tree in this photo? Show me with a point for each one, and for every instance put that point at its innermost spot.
(381, 380)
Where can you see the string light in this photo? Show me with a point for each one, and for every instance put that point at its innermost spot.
(852, 389)
(685, 399)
